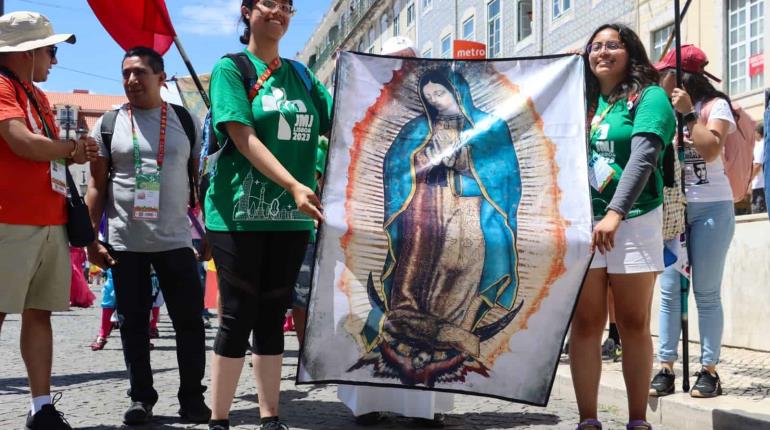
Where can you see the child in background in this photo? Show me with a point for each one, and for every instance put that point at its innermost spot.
(108, 309)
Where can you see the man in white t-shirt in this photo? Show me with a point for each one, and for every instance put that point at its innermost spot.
(758, 203)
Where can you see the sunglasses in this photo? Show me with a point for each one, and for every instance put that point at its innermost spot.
(52, 51)
(610, 45)
(272, 5)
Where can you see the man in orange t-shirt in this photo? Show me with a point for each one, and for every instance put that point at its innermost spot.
(34, 251)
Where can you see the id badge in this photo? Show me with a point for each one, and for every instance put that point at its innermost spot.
(147, 197)
(600, 173)
(59, 176)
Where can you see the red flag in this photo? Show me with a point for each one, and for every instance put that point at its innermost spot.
(136, 22)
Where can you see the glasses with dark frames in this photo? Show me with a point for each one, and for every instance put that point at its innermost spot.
(610, 45)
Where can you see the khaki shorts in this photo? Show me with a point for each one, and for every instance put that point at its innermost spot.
(35, 268)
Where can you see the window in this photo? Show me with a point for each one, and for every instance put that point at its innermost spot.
(745, 27)
(397, 18)
(560, 6)
(469, 28)
(371, 40)
(446, 46)
(525, 19)
(659, 39)
(426, 5)
(428, 53)
(493, 28)
(410, 13)
(384, 27)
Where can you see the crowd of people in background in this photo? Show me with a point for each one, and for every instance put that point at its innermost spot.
(158, 229)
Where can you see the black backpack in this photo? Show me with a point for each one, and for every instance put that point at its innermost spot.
(211, 148)
(108, 129)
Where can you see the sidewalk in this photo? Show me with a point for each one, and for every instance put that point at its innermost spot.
(745, 405)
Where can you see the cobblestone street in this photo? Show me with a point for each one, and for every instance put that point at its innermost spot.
(94, 389)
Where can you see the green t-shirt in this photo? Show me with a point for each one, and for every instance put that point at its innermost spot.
(612, 140)
(288, 120)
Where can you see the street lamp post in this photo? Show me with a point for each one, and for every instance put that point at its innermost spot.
(68, 122)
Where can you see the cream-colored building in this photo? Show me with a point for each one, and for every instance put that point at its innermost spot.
(356, 25)
(731, 32)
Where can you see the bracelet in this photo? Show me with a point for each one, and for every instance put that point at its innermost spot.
(74, 148)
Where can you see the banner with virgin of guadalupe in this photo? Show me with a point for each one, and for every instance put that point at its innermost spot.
(458, 223)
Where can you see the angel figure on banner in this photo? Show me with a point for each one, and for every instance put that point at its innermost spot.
(452, 187)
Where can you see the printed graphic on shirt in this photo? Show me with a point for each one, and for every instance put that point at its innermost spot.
(277, 101)
(255, 205)
(605, 148)
(695, 172)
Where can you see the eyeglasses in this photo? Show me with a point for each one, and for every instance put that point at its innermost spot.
(272, 5)
(611, 45)
(52, 51)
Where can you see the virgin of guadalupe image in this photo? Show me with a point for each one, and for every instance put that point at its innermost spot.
(452, 187)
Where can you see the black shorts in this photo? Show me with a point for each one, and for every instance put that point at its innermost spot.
(256, 272)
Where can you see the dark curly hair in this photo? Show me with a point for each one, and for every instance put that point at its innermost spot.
(247, 30)
(640, 73)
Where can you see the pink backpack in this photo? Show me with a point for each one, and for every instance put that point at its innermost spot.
(738, 154)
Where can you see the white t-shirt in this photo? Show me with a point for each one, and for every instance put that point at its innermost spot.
(707, 182)
(759, 158)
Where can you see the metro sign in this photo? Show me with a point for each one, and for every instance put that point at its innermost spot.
(468, 50)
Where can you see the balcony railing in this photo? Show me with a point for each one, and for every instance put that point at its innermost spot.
(352, 21)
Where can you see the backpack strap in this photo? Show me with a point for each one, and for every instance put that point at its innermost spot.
(303, 74)
(246, 69)
(189, 128)
(107, 130)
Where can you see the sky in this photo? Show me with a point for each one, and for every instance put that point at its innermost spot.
(208, 29)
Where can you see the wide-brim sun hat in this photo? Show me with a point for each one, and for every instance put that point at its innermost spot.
(24, 31)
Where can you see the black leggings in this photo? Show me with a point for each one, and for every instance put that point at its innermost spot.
(256, 272)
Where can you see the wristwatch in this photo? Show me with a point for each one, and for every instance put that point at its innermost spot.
(74, 148)
(690, 117)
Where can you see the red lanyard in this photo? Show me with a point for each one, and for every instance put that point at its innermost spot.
(264, 77)
(161, 140)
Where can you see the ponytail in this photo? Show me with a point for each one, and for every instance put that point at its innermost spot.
(249, 4)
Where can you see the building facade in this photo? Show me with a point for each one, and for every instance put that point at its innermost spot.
(731, 32)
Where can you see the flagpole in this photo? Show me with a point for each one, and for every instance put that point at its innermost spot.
(671, 35)
(194, 75)
(161, 5)
(684, 281)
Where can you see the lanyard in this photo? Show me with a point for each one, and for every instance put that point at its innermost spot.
(161, 140)
(597, 121)
(264, 77)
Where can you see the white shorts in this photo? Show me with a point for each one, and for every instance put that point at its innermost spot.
(638, 246)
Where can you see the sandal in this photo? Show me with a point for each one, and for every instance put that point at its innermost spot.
(590, 424)
(638, 425)
(99, 343)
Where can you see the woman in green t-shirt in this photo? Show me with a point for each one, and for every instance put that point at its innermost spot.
(631, 121)
(260, 205)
